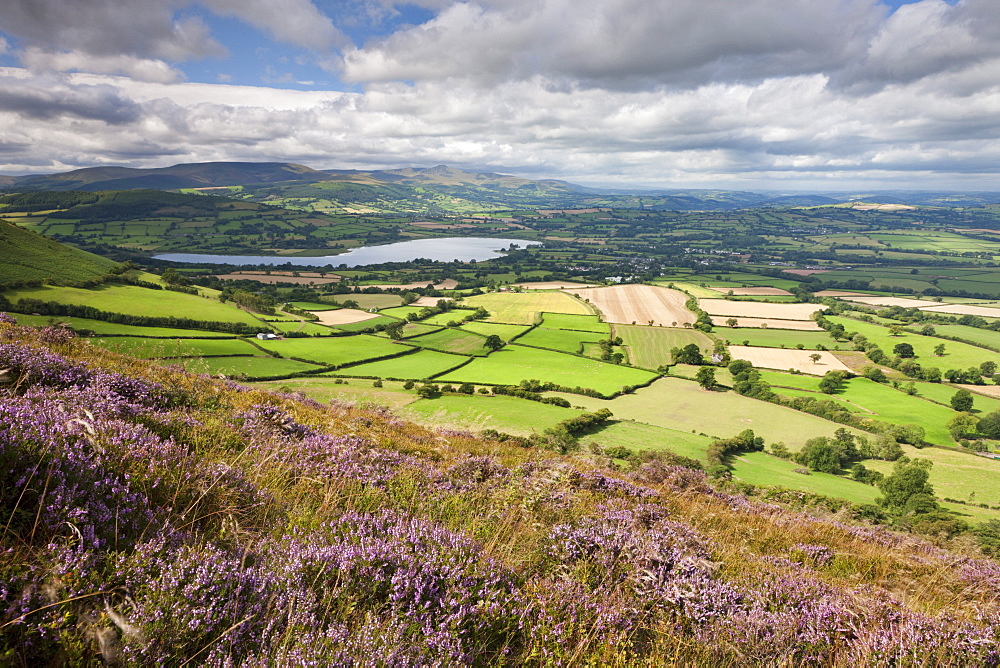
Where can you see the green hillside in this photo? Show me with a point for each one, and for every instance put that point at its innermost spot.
(28, 256)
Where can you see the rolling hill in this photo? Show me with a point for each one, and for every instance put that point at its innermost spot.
(30, 256)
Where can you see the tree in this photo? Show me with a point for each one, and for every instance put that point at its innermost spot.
(733, 322)
(988, 368)
(989, 425)
(939, 350)
(706, 378)
(874, 373)
(895, 330)
(831, 382)
(395, 330)
(962, 401)
(689, 354)
(815, 357)
(903, 350)
(962, 425)
(908, 478)
(493, 342)
(821, 454)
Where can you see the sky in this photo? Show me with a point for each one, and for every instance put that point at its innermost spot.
(817, 95)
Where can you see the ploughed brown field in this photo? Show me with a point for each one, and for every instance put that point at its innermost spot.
(798, 325)
(783, 358)
(759, 309)
(626, 304)
(344, 316)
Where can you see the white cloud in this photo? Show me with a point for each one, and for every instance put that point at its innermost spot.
(141, 69)
(296, 22)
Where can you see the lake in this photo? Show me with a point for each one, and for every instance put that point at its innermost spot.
(444, 249)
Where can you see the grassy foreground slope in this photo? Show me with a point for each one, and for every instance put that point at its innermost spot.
(28, 256)
(185, 520)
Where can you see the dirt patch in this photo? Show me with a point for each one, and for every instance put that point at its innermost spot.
(754, 292)
(749, 323)
(759, 309)
(804, 272)
(625, 304)
(782, 358)
(428, 301)
(344, 316)
(554, 285)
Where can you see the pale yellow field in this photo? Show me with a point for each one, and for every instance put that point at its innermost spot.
(554, 285)
(839, 293)
(753, 292)
(964, 309)
(446, 284)
(429, 301)
(344, 316)
(988, 390)
(524, 308)
(798, 325)
(892, 301)
(627, 304)
(782, 358)
(759, 309)
(262, 278)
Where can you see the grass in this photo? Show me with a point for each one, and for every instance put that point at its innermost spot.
(956, 474)
(942, 393)
(250, 367)
(525, 308)
(366, 302)
(366, 324)
(417, 366)
(476, 413)
(452, 341)
(985, 337)
(649, 347)
(568, 341)
(957, 355)
(314, 306)
(154, 348)
(399, 311)
(638, 437)
(514, 363)
(310, 328)
(682, 405)
(776, 338)
(324, 389)
(101, 328)
(505, 332)
(582, 323)
(334, 350)
(760, 468)
(132, 300)
(28, 256)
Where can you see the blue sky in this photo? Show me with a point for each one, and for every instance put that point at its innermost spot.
(795, 94)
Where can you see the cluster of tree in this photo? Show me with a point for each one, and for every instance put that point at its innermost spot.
(719, 450)
(531, 390)
(249, 300)
(608, 353)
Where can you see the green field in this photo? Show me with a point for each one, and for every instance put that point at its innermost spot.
(986, 337)
(957, 355)
(251, 367)
(366, 324)
(515, 363)
(638, 436)
(760, 468)
(682, 405)
(525, 308)
(776, 338)
(582, 323)
(452, 341)
(417, 366)
(28, 256)
(956, 474)
(649, 347)
(132, 300)
(567, 341)
(400, 311)
(366, 302)
(505, 332)
(154, 348)
(324, 389)
(476, 413)
(334, 350)
(101, 328)
(310, 328)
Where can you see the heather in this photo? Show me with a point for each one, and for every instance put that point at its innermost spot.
(154, 517)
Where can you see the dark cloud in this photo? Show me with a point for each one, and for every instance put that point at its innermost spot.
(47, 100)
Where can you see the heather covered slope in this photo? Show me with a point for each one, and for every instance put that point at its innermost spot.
(152, 517)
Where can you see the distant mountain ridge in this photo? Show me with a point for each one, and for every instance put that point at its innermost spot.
(496, 190)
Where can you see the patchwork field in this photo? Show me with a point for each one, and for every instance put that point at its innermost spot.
(965, 309)
(748, 323)
(417, 366)
(649, 347)
(334, 350)
(760, 468)
(476, 413)
(133, 300)
(682, 405)
(568, 341)
(783, 358)
(155, 348)
(554, 285)
(505, 332)
(514, 363)
(250, 367)
(524, 308)
(892, 301)
(632, 304)
(452, 341)
(754, 292)
(775, 338)
(101, 328)
(759, 309)
(580, 323)
(344, 316)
